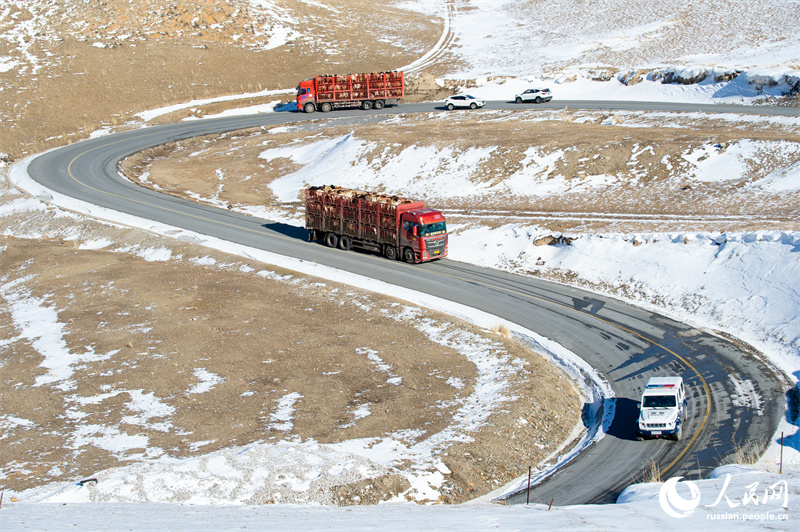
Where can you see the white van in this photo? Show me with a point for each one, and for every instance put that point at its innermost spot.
(663, 409)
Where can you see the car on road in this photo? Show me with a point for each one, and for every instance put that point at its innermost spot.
(534, 95)
(464, 101)
(662, 411)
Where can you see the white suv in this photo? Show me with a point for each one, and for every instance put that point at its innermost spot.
(464, 101)
(534, 95)
(663, 409)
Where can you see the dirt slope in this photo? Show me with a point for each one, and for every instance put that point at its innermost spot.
(70, 67)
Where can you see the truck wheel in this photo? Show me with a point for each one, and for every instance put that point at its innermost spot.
(309, 107)
(379, 104)
(366, 105)
(390, 252)
(409, 256)
(331, 240)
(344, 243)
(325, 107)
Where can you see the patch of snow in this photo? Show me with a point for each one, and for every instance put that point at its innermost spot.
(206, 381)
(281, 418)
(782, 180)
(38, 322)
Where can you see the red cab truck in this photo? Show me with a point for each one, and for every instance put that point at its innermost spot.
(367, 91)
(390, 225)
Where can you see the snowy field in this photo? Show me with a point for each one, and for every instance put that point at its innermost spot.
(746, 284)
(736, 499)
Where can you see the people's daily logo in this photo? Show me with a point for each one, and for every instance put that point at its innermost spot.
(675, 505)
(758, 501)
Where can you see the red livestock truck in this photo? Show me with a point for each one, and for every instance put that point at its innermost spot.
(392, 226)
(367, 91)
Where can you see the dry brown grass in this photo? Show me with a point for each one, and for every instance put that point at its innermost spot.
(652, 473)
(502, 330)
(748, 453)
(81, 88)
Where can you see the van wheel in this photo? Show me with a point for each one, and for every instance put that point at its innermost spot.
(390, 252)
(344, 243)
(409, 256)
(331, 240)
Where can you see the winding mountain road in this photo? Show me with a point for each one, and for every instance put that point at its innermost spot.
(626, 344)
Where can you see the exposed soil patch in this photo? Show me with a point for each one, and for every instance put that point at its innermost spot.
(167, 349)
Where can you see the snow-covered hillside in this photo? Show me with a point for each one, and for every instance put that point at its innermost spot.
(628, 42)
(747, 284)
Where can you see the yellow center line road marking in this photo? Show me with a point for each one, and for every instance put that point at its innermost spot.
(706, 389)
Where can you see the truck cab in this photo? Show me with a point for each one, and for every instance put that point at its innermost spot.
(305, 96)
(423, 232)
(662, 410)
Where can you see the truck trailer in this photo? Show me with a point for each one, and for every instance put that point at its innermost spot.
(367, 91)
(390, 225)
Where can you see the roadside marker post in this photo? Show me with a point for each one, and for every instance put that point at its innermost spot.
(528, 494)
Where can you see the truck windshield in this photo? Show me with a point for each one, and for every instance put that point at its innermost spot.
(432, 229)
(660, 401)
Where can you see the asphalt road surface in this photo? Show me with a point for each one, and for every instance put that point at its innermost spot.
(626, 344)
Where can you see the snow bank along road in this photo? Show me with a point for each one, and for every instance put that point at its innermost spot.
(625, 344)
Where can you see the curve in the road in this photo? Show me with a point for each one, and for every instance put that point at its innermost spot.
(624, 343)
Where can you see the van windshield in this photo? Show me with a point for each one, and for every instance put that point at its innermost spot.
(432, 229)
(660, 401)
